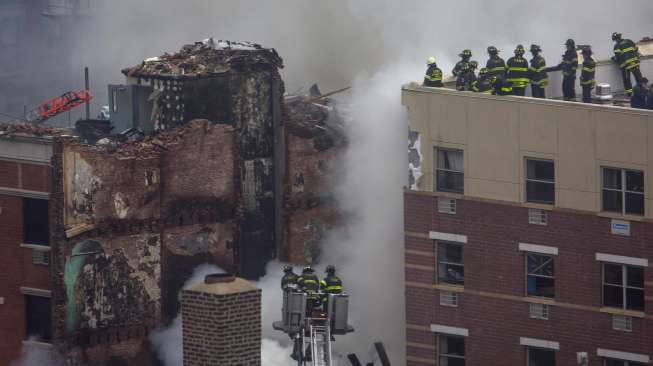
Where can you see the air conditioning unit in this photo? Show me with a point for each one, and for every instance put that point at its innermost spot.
(539, 311)
(447, 205)
(448, 298)
(622, 323)
(537, 216)
(41, 257)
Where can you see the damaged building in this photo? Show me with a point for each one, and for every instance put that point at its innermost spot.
(206, 161)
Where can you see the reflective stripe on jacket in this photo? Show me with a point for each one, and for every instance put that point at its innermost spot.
(588, 72)
(539, 76)
(626, 54)
(496, 65)
(517, 73)
(331, 285)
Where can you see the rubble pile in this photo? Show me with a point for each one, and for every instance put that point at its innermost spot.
(314, 119)
(207, 58)
(31, 130)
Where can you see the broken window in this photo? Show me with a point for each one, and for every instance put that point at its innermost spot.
(541, 356)
(614, 362)
(35, 222)
(38, 318)
(623, 286)
(540, 181)
(451, 351)
(540, 280)
(449, 170)
(625, 198)
(451, 268)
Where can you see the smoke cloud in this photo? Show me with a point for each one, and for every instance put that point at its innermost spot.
(34, 354)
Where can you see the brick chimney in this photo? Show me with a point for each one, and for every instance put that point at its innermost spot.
(221, 322)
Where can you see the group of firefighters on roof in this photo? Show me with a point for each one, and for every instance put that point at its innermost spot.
(317, 291)
(512, 77)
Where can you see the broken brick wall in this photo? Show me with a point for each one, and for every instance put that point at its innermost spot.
(131, 222)
(313, 151)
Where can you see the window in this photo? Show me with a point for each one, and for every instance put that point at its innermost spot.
(541, 357)
(451, 267)
(38, 317)
(451, 351)
(35, 221)
(623, 286)
(449, 171)
(625, 198)
(613, 362)
(540, 181)
(540, 279)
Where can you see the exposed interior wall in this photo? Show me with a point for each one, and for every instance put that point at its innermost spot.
(497, 134)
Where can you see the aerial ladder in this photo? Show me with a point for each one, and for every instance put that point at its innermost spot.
(313, 329)
(58, 105)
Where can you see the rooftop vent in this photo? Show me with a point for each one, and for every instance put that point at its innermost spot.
(603, 93)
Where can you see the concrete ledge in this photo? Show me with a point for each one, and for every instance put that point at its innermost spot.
(24, 193)
(534, 248)
(611, 258)
(539, 343)
(35, 292)
(448, 237)
(627, 356)
(444, 329)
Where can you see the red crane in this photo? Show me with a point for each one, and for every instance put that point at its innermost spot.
(60, 104)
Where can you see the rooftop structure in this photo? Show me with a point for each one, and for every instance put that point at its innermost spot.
(527, 231)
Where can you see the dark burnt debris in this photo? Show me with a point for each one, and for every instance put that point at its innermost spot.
(315, 118)
(207, 58)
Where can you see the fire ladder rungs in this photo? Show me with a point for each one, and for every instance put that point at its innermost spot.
(321, 345)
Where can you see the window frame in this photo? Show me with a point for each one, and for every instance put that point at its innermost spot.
(450, 171)
(528, 354)
(48, 332)
(539, 181)
(527, 274)
(26, 223)
(438, 262)
(624, 286)
(623, 190)
(443, 337)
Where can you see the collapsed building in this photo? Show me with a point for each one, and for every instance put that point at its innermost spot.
(204, 161)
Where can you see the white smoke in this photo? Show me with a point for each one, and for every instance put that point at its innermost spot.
(35, 354)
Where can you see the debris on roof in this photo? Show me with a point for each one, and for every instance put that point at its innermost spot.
(27, 129)
(207, 58)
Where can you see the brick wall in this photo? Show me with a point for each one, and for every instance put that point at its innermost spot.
(221, 327)
(492, 305)
(15, 261)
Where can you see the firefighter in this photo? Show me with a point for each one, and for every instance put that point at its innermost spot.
(539, 77)
(470, 78)
(569, 66)
(309, 284)
(517, 72)
(641, 89)
(500, 86)
(461, 70)
(433, 77)
(331, 284)
(484, 83)
(495, 64)
(289, 279)
(587, 80)
(649, 99)
(626, 55)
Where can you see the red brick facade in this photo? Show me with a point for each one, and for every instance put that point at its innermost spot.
(493, 306)
(18, 269)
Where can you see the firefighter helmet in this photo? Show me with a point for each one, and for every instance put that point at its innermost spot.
(587, 50)
(287, 269)
(616, 36)
(430, 61)
(330, 270)
(570, 43)
(492, 50)
(519, 50)
(483, 71)
(307, 269)
(466, 53)
(535, 48)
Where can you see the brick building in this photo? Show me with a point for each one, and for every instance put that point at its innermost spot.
(24, 242)
(528, 231)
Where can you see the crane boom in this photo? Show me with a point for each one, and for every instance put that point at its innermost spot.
(58, 105)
